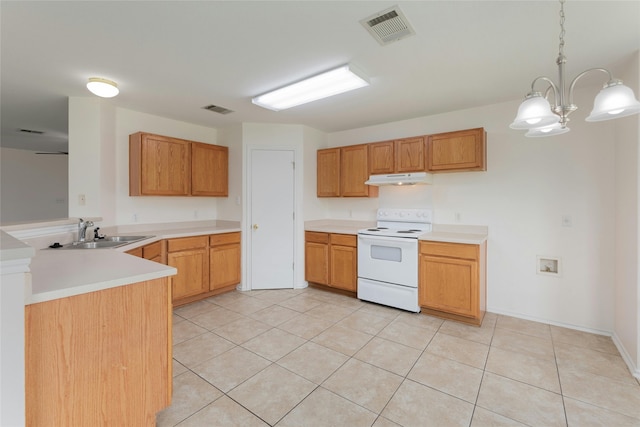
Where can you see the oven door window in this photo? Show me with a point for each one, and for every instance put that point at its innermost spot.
(386, 253)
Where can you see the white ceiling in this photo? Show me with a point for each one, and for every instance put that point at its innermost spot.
(171, 58)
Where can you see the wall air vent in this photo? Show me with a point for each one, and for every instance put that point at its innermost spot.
(388, 26)
(31, 131)
(218, 109)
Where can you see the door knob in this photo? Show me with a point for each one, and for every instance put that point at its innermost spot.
(255, 226)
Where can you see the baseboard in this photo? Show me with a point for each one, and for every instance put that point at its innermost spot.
(635, 370)
(550, 322)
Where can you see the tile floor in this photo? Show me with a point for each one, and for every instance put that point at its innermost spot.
(314, 358)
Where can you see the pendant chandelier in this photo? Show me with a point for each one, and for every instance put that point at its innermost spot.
(541, 118)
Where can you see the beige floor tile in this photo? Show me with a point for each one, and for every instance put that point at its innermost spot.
(583, 339)
(231, 368)
(274, 296)
(418, 405)
(364, 322)
(420, 320)
(190, 394)
(388, 355)
(313, 362)
(601, 391)
(274, 315)
(248, 305)
(346, 341)
(323, 408)
(186, 330)
(523, 326)
(482, 334)
(194, 309)
(524, 403)
(226, 298)
(580, 414)
(464, 351)
(528, 344)
(331, 312)
(364, 384)
(223, 412)
(177, 368)
(383, 422)
(541, 373)
(403, 333)
(306, 326)
(448, 376)
(272, 393)
(489, 320)
(301, 303)
(484, 418)
(177, 319)
(213, 319)
(242, 330)
(274, 344)
(380, 310)
(570, 357)
(201, 348)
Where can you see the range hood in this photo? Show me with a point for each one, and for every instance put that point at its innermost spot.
(400, 179)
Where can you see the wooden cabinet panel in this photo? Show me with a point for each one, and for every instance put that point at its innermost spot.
(193, 272)
(344, 267)
(382, 158)
(136, 252)
(354, 171)
(344, 239)
(316, 262)
(410, 155)
(158, 165)
(312, 236)
(224, 259)
(154, 252)
(457, 151)
(449, 285)
(184, 243)
(328, 173)
(209, 170)
(451, 250)
(101, 358)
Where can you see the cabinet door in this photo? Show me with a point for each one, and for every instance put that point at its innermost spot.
(328, 173)
(225, 266)
(316, 262)
(159, 166)
(344, 267)
(457, 151)
(410, 155)
(209, 170)
(449, 285)
(354, 168)
(193, 272)
(381, 158)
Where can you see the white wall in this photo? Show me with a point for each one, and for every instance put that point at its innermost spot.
(627, 283)
(33, 186)
(527, 188)
(230, 208)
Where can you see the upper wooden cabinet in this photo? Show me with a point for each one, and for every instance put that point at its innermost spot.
(458, 151)
(342, 172)
(209, 170)
(165, 166)
(399, 156)
(382, 158)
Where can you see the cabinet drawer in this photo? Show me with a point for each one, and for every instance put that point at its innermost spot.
(152, 250)
(344, 240)
(451, 250)
(184, 243)
(312, 236)
(224, 239)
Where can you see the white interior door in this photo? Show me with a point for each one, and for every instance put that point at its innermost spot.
(272, 219)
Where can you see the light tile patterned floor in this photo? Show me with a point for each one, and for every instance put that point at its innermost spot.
(314, 358)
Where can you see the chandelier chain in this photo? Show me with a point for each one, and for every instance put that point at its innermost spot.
(561, 50)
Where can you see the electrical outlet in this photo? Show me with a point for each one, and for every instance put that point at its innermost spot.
(134, 217)
(82, 199)
(458, 217)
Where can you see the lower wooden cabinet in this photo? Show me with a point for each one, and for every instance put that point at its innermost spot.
(331, 259)
(153, 252)
(452, 280)
(224, 260)
(99, 359)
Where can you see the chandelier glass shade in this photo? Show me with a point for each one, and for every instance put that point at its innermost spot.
(541, 118)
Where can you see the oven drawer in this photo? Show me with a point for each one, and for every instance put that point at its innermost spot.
(450, 250)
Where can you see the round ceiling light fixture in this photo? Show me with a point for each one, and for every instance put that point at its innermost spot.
(102, 87)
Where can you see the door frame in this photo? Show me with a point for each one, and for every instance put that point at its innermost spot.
(298, 222)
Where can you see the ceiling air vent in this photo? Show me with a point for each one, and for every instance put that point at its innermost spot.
(388, 26)
(218, 109)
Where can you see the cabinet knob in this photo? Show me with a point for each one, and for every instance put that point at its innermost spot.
(255, 226)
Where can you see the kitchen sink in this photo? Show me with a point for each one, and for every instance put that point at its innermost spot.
(107, 242)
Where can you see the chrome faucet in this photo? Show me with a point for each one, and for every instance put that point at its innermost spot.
(82, 229)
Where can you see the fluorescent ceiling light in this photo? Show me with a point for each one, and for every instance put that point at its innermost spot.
(102, 87)
(332, 82)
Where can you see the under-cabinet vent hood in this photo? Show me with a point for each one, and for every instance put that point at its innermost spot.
(400, 179)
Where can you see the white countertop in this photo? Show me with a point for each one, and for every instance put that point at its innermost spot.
(337, 226)
(60, 273)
